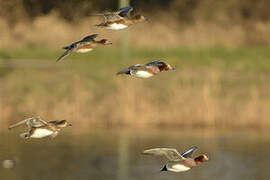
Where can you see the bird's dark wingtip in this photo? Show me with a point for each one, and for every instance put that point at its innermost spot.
(58, 59)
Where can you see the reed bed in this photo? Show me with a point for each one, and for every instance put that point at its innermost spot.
(213, 88)
(162, 31)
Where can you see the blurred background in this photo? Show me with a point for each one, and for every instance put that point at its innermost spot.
(217, 98)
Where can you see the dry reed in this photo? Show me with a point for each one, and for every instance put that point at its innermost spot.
(161, 31)
(189, 99)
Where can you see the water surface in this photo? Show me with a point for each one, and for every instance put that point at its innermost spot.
(116, 154)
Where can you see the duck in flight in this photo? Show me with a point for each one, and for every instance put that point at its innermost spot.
(120, 19)
(146, 70)
(177, 162)
(38, 128)
(87, 44)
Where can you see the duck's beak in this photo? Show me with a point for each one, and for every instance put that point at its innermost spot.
(109, 43)
(171, 68)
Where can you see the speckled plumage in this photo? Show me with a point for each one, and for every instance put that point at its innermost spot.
(38, 128)
(120, 19)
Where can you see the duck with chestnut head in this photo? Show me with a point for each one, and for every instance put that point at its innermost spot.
(120, 19)
(146, 70)
(39, 128)
(87, 44)
(177, 162)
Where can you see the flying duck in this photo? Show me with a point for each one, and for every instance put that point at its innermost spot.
(87, 44)
(146, 70)
(120, 19)
(177, 162)
(38, 128)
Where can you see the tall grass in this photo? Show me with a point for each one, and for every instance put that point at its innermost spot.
(162, 30)
(213, 87)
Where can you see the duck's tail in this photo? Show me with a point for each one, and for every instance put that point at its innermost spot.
(164, 168)
(125, 71)
(100, 25)
(25, 135)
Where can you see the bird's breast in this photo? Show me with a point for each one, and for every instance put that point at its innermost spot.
(40, 133)
(116, 26)
(142, 74)
(84, 50)
(178, 168)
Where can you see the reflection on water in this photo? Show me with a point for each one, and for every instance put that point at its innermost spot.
(116, 154)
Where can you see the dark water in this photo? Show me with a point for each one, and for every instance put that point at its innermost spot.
(116, 154)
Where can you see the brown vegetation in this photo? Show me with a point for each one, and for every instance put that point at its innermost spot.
(174, 23)
(209, 96)
(204, 97)
(50, 31)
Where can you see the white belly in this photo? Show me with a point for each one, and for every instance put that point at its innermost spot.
(83, 50)
(142, 74)
(41, 133)
(116, 26)
(178, 168)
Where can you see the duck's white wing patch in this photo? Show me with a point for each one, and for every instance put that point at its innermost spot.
(41, 133)
(83, 50)
(142, 74)
(116, 26)
(178, 168)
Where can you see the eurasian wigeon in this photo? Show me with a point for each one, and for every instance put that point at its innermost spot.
(38, 128)
(87, 44)
(146, 70)
(120, 19)
(177, 162)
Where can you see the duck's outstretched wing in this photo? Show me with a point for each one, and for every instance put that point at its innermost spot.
(110, 16)
(67, 52)
(123, 12)
(188, 153)
(134, 67)
(85, 39)
(88, 38)
(155, 63)
(30, 122)
(115, 16)
(18, 124)
(169, 153)
(37, 122)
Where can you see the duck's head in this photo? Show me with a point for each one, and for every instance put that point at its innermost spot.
(140, 18)
(164, 66)
(201, 159)
(105, 42)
